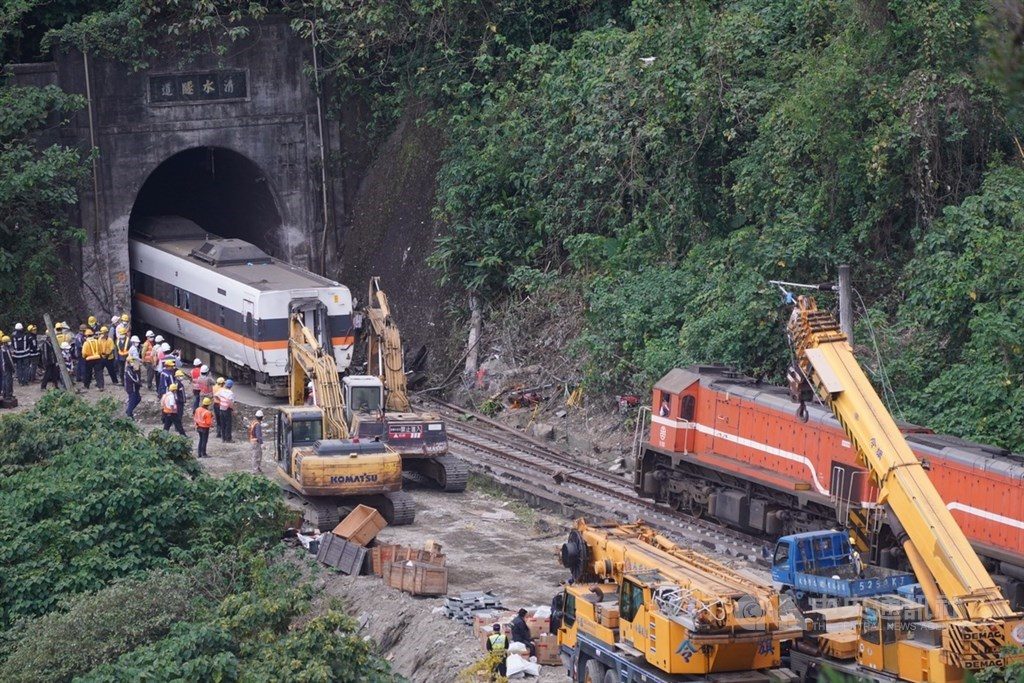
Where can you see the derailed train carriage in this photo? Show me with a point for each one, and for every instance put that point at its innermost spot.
(231, 300)
(731, 448)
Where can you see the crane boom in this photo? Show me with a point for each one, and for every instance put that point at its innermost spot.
(384, 353)
(310, 361)
(826, 360)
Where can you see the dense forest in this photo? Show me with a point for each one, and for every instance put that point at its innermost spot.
(663, 161)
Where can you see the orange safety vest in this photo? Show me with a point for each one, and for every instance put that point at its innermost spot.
(168, 403)
(203, 418)
(91, 349)
(123, 344)
(147, 352)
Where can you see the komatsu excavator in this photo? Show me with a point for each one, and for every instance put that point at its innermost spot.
(641, 608)
(329, 454)
(969, 624)
(419, 437)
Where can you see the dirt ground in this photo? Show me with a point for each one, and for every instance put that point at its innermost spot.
(491, 544)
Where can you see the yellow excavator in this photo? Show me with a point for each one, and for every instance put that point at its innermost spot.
(326, 459)
(420, 438)
(641, 608)
(968, 624)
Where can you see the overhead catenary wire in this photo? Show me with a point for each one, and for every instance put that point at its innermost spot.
(887, 389)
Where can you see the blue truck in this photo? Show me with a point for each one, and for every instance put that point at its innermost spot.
(821, 564)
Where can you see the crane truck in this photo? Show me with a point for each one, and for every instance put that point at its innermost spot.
(641, 608)
(420, 438)
(969, 624)
(330, 455)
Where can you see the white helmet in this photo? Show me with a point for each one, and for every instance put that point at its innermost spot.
(134, 339)
(165, 347)
(18, 326)
(309, 386)
(197, 362)
(159, 339)
(65, 346)
(205, 369)
(115, 318)
(149, 333)
(259, 413)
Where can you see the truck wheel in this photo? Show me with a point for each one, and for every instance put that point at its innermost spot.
(611, 676)
(594, 672)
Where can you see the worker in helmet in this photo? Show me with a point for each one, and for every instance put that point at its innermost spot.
(33, 352)
(169, 409)
(93, 324)
(149, 358)
(179, 379)
(132, 386)
(76, 353)
(7, 369)
(166, 377)
(122, 345)
(112, 328)
(226, 399)
(19, 349)
(218, 386)
(134, 351)
(256, 441)
(69, 361)
(203, 419)
(108, 353)
(92, 354)
(196, 365)
(498, 642)
(204, 384)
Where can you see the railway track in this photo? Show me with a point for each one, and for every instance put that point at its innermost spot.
(549, 476)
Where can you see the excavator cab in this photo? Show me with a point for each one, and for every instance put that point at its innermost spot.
(297, 427)
(364, 406)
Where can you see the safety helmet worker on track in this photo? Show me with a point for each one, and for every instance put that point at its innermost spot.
(114, 318)
(149, 334)
(259, 413)
(134, 339)
(168, 363)
(229, 383)
(18, 326)
(5, 340)
(104, 329)
(32, 328)
(88, 332)
(179, 374)
(165, 347)
(220, 380)
(82, 327)
(173, 387)
(66, 346)
(207, 401)
(124, 317)
(159, 339)
(92, 320)
(205, 370)
(197, 362)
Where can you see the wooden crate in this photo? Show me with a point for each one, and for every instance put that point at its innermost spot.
(361, 525)
(417, 578)
(382, 554)
(341, 554)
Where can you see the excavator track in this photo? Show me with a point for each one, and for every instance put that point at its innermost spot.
(453, 474)
(398, 507)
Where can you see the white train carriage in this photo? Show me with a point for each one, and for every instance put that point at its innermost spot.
(229, 298)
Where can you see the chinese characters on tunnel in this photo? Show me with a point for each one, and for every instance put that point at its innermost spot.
(198, 87)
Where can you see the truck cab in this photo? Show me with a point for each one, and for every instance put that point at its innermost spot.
(819, 568)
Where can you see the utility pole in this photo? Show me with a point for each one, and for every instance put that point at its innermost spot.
(846, 302)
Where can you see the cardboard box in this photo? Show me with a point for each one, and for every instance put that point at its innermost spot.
(547, 650)
(538, 626)
(484, 621)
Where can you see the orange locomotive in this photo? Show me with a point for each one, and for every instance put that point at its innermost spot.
(729, 447)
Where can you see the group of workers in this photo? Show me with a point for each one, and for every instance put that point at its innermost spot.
(112, 349)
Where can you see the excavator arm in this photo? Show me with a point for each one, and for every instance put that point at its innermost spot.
(384, 349)
(310, 362)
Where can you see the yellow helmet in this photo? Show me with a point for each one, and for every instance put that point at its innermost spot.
(32, 328)
(124, 317)
(180, 374)
(88, 332)
(92, 320)
(220, 380)
(5, 339)
(207, 401)
(104, 329)
(168, 363)
(173, 387)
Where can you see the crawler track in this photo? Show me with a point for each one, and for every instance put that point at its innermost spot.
(549, 476)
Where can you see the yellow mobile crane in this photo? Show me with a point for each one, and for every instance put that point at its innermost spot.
(971, 621)
(420, 438)
(642, 608)
(323, 456)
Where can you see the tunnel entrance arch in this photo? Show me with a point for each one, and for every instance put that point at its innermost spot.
(222, 191)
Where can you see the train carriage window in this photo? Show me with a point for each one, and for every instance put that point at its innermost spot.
(177, 297)
(222, 316)
(689, 408)
(188, 301)
(250, 330)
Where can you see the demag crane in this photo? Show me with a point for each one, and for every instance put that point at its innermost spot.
(972, 624)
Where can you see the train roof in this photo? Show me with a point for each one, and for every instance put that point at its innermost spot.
(240, 261)
(923, 441)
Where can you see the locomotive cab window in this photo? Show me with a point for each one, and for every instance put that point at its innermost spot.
(689, 408)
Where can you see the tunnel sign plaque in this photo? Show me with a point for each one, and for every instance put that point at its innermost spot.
(202, 86)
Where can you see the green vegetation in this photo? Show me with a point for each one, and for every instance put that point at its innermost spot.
(115, 547)
(666, 159)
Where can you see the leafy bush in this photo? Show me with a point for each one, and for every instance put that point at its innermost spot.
(87, 499)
